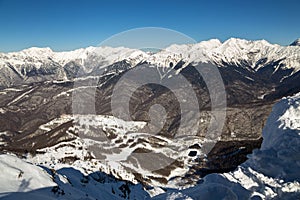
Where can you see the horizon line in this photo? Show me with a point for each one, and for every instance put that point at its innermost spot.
(89, 46)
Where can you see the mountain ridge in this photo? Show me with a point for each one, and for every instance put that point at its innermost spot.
(295, 43)
(39, 64)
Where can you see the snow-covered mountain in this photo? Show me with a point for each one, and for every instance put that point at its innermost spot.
(237, 52)
(38, 64)
(272, 172)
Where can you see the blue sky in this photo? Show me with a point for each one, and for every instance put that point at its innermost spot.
(71, 24)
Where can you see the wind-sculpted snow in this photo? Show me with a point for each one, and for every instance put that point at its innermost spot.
(272, 172)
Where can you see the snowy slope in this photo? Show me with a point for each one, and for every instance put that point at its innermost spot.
(272, 172)
(18, 175)
(22, 180)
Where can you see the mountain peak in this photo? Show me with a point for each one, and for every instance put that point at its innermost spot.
(37, 50)
(232, 41)
(296, 42)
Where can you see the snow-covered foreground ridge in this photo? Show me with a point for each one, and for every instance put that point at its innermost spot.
(270, 172)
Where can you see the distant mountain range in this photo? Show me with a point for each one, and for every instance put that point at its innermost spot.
(256, 57)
